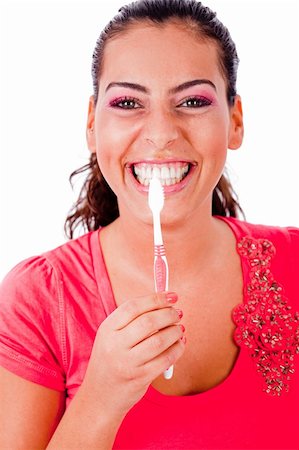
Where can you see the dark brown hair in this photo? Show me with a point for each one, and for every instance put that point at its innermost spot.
(97, 204)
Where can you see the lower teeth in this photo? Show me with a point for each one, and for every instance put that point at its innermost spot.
(164, 181)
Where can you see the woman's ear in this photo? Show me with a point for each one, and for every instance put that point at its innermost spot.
(236, 131)
(90, 134)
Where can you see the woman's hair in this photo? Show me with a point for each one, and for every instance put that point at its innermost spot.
(97, 204)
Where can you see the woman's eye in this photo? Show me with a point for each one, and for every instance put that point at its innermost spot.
(195, 102)
(125, 103)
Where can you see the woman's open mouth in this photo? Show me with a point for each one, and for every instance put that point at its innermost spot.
(170, 174)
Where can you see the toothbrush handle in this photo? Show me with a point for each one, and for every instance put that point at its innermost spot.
(161, 283)
(160, 269)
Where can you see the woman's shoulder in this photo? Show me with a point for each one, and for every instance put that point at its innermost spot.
(271, 253)
(43, 274)
(66, 254)
(269, 247)
(75, 250)
(280, 235)
(47, 301)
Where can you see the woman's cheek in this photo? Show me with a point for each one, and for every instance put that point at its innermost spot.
(207, 134)
(115, 132)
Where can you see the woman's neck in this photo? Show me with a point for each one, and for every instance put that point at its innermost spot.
(186, 243)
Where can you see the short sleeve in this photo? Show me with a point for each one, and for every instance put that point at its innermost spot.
(292, 264)
(294, 234)
(32, 324)
(294, 248)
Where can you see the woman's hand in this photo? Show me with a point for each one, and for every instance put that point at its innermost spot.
(133, 346)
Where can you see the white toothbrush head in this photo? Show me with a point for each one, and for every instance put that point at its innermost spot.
(155, 195)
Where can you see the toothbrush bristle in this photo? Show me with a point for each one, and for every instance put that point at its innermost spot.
(155, 195)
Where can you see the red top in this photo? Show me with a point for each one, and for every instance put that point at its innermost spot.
(51, 306)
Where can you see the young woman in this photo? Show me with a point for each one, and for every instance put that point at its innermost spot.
(84, 339)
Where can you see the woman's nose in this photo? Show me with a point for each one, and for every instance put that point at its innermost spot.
(160, 129)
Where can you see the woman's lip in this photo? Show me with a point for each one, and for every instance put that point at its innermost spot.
(167, 189)
(160, 162)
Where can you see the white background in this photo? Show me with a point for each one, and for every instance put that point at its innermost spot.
(46, 49)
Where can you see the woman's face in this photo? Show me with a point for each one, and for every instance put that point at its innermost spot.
(162, 108)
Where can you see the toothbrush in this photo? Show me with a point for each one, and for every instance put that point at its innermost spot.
(156, 203)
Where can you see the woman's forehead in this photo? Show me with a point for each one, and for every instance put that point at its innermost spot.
(175, 28)
(159, 48)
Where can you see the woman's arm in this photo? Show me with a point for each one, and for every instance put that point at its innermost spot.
(133, 346)
(29, 413)
(87, 424)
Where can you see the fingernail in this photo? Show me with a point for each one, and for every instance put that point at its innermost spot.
(180, 313)
(171, 297)
(183, 339)
(182, 327)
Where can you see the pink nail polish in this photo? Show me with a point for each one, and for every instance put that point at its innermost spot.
(180, 313)
(171, 297)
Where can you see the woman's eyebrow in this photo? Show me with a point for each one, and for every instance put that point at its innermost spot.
(125, 84)
(191, 83)
(175, 90)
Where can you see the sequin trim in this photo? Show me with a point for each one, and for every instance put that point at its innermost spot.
(265, 323)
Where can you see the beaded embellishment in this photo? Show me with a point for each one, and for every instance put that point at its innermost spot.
(265, 323)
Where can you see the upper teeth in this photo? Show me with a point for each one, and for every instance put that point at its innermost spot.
(169, 173)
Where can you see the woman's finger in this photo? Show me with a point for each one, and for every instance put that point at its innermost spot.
(156, 344)
(152, 369)
(131, 309)
(150, 323)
